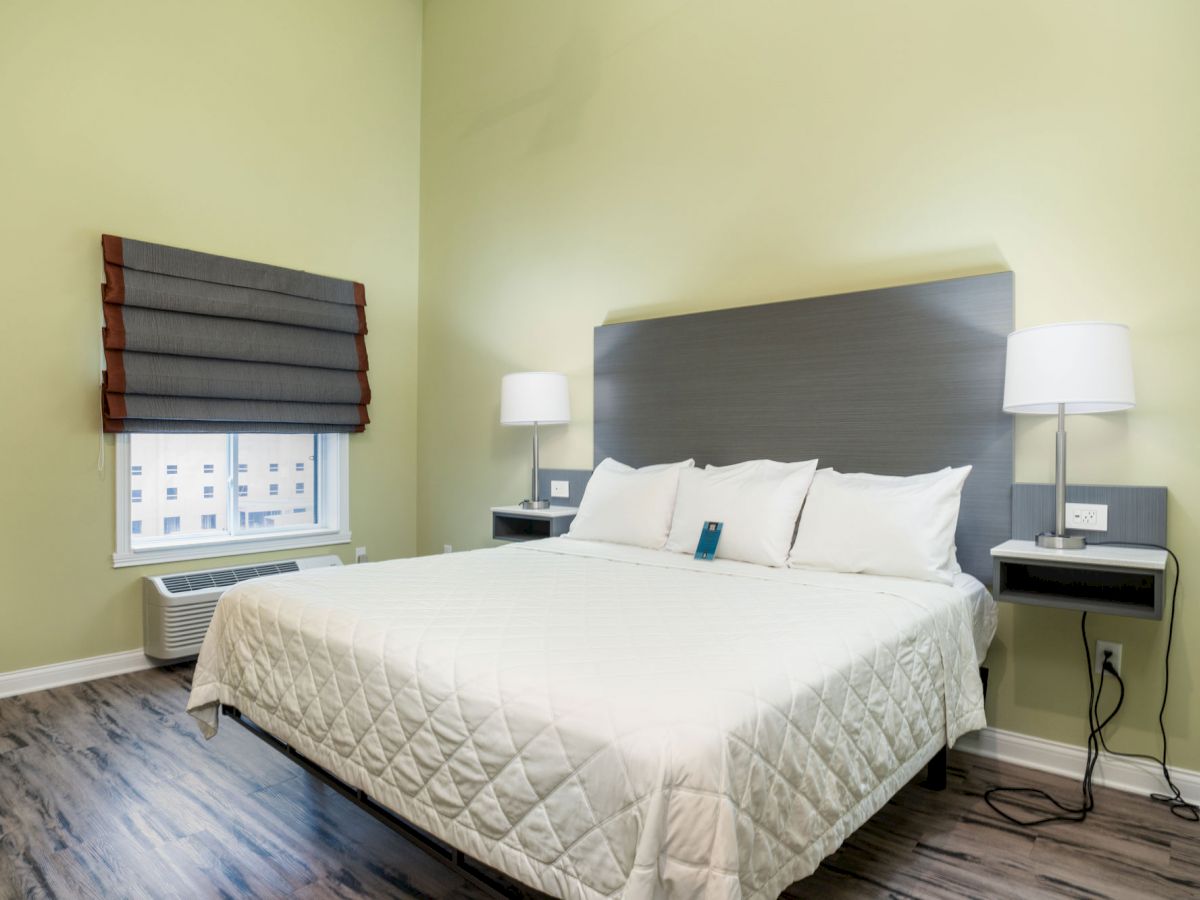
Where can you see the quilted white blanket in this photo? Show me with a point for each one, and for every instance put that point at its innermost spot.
(599, 721)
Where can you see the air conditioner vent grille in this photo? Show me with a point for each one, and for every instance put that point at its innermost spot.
(223, 578)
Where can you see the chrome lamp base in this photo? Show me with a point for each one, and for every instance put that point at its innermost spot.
(1052, 541)
(535, 504)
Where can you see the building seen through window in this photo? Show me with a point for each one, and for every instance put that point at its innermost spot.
(201, 493)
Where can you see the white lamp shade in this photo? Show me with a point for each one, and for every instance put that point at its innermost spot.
(1086, 366)
(527, 398)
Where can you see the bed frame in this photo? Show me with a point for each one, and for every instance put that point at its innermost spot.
(859, 380)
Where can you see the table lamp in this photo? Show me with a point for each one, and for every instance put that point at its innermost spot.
(534, 398)
(1065, 369)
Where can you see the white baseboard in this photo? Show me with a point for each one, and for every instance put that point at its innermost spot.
(40, 678)
(1133, 775)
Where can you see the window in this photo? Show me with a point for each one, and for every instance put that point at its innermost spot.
(173, 469)
(274, 467)
(299, 487)
(299, 467)
(135, 470)
(218, 510)
(136, 526)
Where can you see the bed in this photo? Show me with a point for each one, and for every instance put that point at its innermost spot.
(595, 720)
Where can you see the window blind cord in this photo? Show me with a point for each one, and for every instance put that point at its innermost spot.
(1174, 801)
(100, 452)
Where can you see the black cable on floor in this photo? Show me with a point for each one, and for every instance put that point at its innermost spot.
(1175, 801)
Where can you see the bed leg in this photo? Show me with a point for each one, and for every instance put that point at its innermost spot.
(983, 674)
(935, 775)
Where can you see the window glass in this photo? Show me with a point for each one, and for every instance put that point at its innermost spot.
(135, 470)
(256, 451)
(136, 526)
(204, 496)
(177, 500)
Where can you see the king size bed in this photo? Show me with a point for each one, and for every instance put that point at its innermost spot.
(599, 720)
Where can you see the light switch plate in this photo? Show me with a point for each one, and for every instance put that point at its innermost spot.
(560, 488)
(1087, 516)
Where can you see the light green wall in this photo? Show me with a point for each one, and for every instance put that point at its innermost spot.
(285, 131)
(588, 162)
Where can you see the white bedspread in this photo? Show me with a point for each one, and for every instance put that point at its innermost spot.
(601, 721)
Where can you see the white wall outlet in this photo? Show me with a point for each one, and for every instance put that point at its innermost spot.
(560, 488)
(1087, 516)
(446, 548)
(360, 554)
(1101, 647)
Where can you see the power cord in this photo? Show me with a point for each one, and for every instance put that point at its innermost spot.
(1174, 801)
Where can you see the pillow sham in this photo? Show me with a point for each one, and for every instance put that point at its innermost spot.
(881, 525)
(623, 505)
(758, 502)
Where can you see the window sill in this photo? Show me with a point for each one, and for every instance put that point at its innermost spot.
(235, 547)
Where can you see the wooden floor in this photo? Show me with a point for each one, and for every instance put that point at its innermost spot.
(107, 790)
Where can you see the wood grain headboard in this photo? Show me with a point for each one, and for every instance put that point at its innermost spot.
(894, 381)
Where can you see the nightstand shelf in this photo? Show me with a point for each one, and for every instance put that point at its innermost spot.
(514, 523)
(1123, 581)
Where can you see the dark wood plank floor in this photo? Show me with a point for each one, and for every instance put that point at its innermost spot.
(107, 790)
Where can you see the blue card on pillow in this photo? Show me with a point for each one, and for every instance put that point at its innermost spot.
(709, 535)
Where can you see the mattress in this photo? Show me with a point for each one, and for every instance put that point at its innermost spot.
(603, 721)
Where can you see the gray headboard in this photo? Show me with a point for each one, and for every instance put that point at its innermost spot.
(893, 381)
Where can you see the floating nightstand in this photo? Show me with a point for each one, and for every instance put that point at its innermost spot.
(515, 523)
(1122, 581)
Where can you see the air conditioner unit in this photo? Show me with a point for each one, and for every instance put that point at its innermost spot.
(177, 609)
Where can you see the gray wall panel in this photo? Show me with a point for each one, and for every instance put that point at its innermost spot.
(894, 381)
(1135, 514)
(577, 478)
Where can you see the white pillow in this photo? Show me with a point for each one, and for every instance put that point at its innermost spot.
(881, 525)
(628, 506)
(758, 502)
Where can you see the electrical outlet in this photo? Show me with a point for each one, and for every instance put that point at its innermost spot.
(446, 548)
(360, 554)
(1102, 646)
(1087, 516)
(560, 488)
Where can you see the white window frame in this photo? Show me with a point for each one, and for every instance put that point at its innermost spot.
(333, 471)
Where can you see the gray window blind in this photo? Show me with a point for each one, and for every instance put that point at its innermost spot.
(200, 343)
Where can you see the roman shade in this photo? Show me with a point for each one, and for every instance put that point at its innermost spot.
(200, 343)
